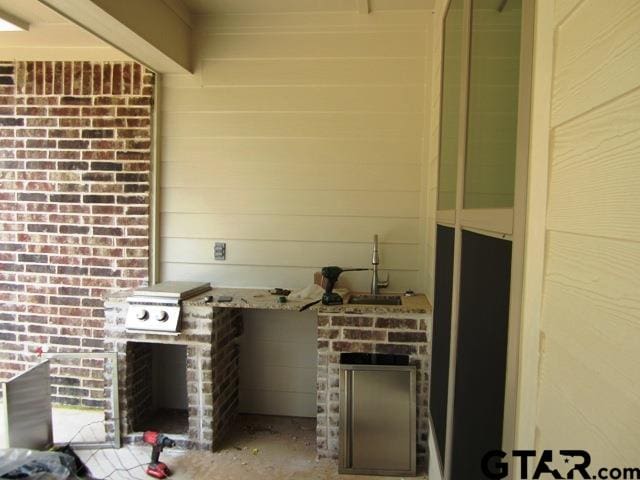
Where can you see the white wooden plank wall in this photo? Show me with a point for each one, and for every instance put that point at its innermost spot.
(589, 385)
(278, 363)
(299, 137)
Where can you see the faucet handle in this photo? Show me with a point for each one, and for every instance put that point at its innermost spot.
(384, 283)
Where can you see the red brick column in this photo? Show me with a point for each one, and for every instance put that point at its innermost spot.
(75, 150)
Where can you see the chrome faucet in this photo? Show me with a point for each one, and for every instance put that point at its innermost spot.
(376, 284)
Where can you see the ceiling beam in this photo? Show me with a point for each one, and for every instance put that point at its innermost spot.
(181, 10)
(13, 20)
(149, 31)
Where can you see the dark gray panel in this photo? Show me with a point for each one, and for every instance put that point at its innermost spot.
(439, 391)
(481, 357)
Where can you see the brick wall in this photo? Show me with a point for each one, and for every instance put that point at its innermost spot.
(75, 141)
(139, 368)
(225, 358)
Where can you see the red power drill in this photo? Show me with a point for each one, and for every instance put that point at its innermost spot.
(158, 441)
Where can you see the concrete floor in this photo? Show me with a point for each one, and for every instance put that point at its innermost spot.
(264, 447)
(77, 425)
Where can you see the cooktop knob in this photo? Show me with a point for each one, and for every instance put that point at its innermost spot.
(142, 314)
(162, 316)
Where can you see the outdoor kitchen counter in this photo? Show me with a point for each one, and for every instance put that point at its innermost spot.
(262, 299)
(209, 331)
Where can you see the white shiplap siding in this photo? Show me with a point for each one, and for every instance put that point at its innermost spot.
(299, 136)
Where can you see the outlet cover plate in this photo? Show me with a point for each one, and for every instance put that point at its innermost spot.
(220, 251)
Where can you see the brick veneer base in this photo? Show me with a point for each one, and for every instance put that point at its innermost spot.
(75, 140)
(348, 333)
(212, 371)
(213, 362)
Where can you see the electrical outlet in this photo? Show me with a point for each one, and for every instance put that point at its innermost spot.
(220, 251)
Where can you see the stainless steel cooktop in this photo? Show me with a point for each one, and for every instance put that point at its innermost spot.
(158, 308)
(173, 290)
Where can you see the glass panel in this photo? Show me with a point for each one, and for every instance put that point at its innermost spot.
(447, 169)
(493, 104)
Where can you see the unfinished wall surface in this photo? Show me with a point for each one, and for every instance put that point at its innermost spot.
(298, 138)
(74, 209)
(589, 394)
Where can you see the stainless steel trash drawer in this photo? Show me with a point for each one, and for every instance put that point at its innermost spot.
(378, 419)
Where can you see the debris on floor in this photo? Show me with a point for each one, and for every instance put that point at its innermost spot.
(253, 429)
(28, 464)
(257, 446)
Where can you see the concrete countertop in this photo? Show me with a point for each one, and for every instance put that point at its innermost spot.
(253, 298)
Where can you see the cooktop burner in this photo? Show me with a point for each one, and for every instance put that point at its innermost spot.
(158, 308)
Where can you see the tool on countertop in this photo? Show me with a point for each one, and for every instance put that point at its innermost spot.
(331, 275)
(158, 441)
(309, 305)
(280, 291)
(311, 295)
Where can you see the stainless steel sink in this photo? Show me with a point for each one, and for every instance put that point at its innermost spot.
(375, 300)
